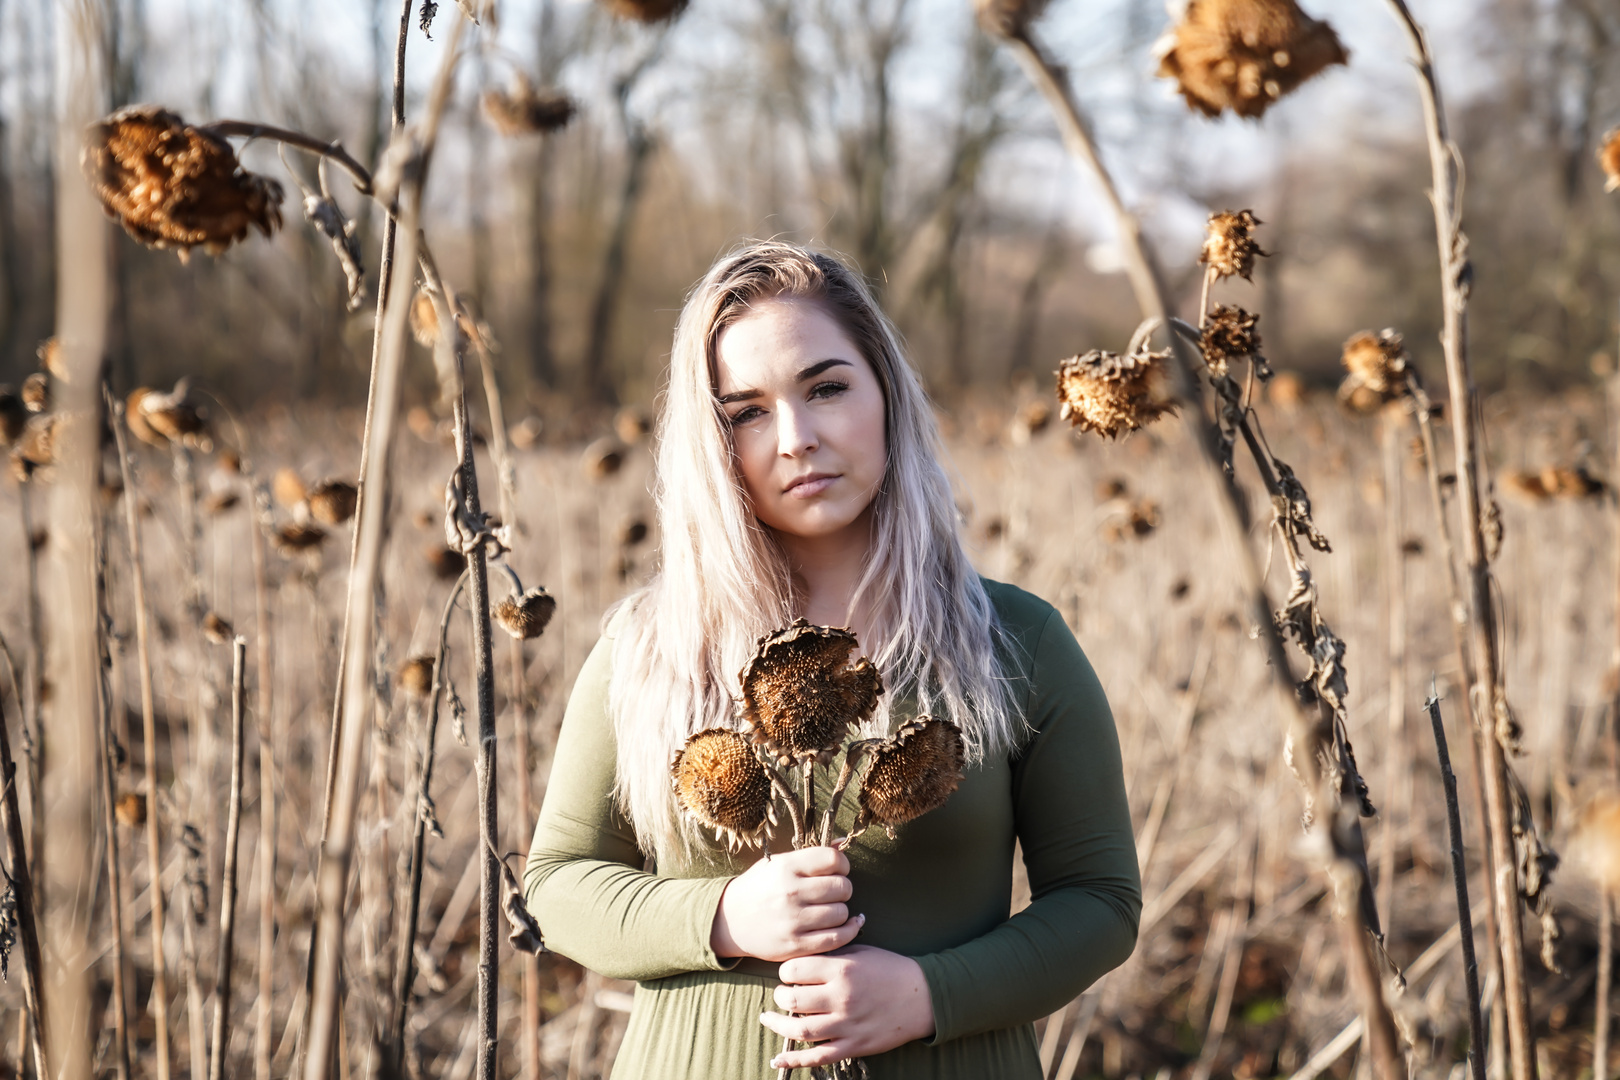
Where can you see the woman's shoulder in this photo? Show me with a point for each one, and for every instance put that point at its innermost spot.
(1024, 619)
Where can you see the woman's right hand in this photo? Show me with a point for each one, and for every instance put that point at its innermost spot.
(792, 904)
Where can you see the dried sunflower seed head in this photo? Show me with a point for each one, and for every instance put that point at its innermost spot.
(36, 392)
(1244, 55)
(1377, 367)
(1229, 244)
(913, 772)
(51, 359)
(298, 538)
(1609, 158)
(1230, 335)
(524, 110)
(1110, 394)
(175, 186)
(416, 676)
(332, 502)
(525, 617)
(801, 695)
(173, 417)
(1007, 18)
(446, 563)
(720, 782)
(1564, 482)
(217, 630)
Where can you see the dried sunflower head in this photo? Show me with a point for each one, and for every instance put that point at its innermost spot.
(1564, 482)
(172, 185)
(332, 502)
(1229, 336)
(1007, 18)
(37, 445)
(297, 538)
(912, 772)
(174, 417)
(36, 392)
(525, 617)
(720, 782)
(602, 459)
(217, 630)
(51, 358)
(524, 110)
(1609, 158)
(801, 695)
(1377, 367)
(1110, 394)
(130, 809)
(645, 11)
(446, 563)
(1229, 244)
(287, 487)
(1244, 55)
(416, 676)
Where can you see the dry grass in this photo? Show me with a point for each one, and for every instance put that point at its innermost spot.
(1159, 616)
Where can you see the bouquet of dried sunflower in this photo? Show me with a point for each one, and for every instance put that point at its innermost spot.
(802, 701)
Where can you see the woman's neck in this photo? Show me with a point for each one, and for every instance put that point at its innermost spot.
(826, 572)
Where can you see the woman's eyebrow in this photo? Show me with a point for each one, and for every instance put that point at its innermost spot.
(819, 366)
(738, 395)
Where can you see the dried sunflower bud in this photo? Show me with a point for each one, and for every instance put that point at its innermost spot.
(645, 11)
(13, 416)
(217, 630)
(523, 110)
(172, 185)
(1007, 18)
(913, 772)
(1111, 394)
(801, 695)
(297, 538)
(720, 782)
(1244, 55)
(36, 392)
(525, 617)
(1229, 336)
(1609, 158)
(1378, 368)
(332, 502)
(416, 676)
(1229, 245)
(175, 417)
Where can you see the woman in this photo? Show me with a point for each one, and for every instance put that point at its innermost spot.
(798, 476)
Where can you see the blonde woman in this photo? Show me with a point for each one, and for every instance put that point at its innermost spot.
(798, 474)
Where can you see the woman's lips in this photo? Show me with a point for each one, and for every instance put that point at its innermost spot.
(810, 486)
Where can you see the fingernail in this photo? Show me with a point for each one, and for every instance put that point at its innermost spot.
(862, 917)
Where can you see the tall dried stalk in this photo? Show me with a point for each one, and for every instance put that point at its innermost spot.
(159, 1001)
(1490, 705)
(423, 818)
(1396, 783)
(356, 682)
(227, 889)
(258, 505)
(1308, 738)
(1605, 976)
(22, 879)
(107, 763)
(1459, 875)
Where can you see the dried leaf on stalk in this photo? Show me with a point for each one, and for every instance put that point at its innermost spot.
(1244, 55)
(912, 772)
(172, 185)
(341, 232)
(525, 933)
(720, 782)
(1110, 394)
(801, 695)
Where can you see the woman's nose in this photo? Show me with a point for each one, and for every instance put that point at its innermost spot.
(795, 432)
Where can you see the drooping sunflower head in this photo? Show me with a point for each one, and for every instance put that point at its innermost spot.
(801, 695)
(720, 782)
(525, 617)
(912, 772)
(1110, 394)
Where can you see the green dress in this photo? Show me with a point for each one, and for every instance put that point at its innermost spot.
(940, 891)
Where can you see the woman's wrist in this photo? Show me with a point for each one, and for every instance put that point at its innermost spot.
(720, 938)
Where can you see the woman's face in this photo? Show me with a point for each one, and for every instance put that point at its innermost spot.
(806, 415)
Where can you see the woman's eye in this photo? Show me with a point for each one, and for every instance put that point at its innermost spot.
(828, 389)
(745, 414)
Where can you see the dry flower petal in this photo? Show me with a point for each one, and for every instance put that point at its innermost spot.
(175, 186)
(1244, 55)
(800, 693)
(1110, 394)
(720, 782)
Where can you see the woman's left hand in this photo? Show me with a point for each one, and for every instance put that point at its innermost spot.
(855, 1002)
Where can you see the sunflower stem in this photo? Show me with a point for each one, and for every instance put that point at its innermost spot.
(807, 773)
(779, 785)
(852, 758)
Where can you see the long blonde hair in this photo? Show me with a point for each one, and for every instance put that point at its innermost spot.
(723, 580)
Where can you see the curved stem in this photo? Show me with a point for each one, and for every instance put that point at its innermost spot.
(331, 150)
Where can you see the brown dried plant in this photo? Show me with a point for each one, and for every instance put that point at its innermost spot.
(720, 782)
(1007, 18)
(1244, 55)
(172, 185)
(36, 392)
(801, 695)
(1229, 244)
(525, 616)
(288, 488)
(645, 11)
(416, 676)
(298, 538)
(173, 418)
(332, 502)
(524, 109)
(1229, 335)
(912, 772)
(1379, 370)
(1110, 394)
(1609, 158)
(13, 416)
(217, 630)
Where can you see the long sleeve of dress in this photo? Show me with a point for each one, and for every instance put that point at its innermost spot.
(583, 881)
(1075, 830)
